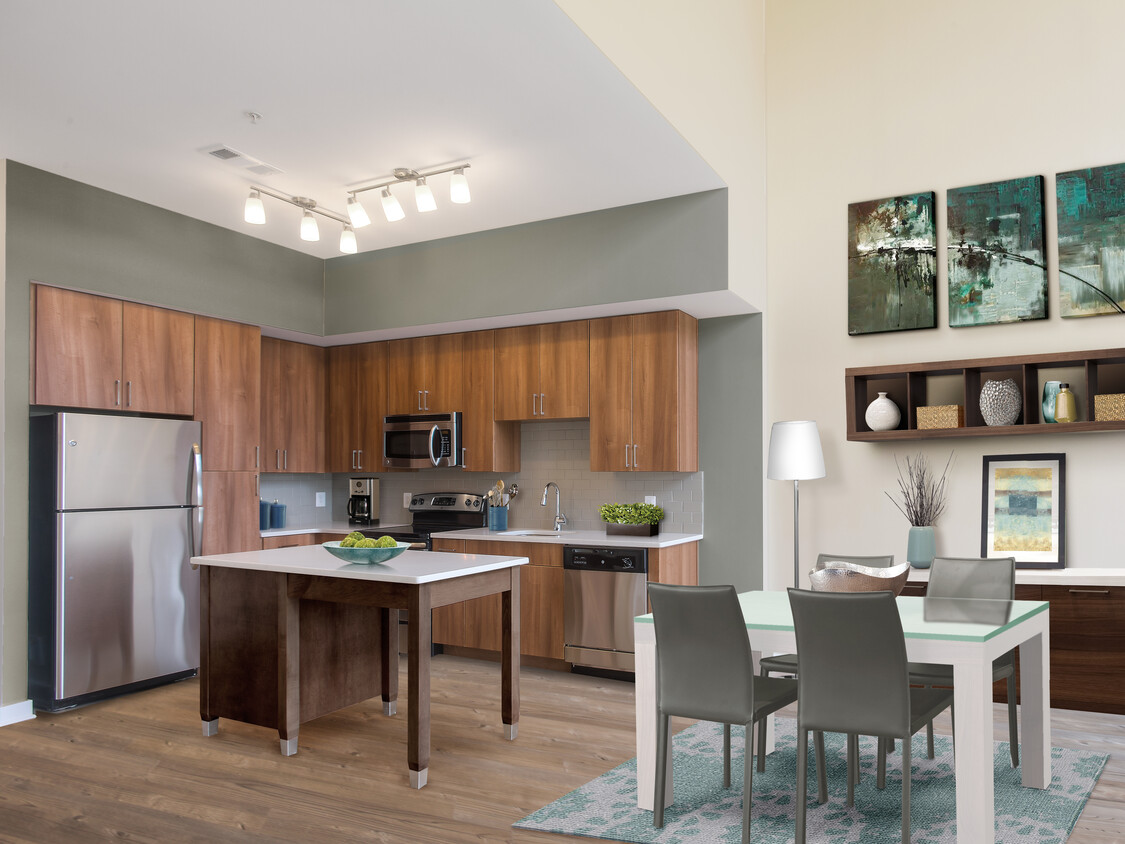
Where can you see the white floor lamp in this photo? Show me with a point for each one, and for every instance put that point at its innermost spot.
(795, 456)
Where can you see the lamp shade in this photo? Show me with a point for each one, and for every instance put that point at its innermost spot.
(795, 453)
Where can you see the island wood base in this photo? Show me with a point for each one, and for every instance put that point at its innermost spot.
(279, 649)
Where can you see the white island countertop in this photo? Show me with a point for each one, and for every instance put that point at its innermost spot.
(1051, 577)
(407, 567)
(584, 538)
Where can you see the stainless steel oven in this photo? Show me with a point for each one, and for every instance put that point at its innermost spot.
(603, 590)
(422, 441)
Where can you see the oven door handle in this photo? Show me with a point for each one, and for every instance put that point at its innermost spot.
(434, 432)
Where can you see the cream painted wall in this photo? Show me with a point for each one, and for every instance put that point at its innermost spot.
(880, 97)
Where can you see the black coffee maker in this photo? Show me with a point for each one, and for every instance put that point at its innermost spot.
(363, 502)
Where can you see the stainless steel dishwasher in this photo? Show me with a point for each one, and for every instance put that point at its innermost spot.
(603, 590)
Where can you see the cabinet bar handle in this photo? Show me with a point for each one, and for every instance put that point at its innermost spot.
(1089, 591)
(419, 399)
(285, 459)
(353, 458)
(359, 465)
(426, 400)
(277, 458)
(117, 393)
(626, 455)
(542, 412)
(635, 464)
(533, 413)
(128, 393)
(256, 456)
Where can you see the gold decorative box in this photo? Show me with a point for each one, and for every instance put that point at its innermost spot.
(1109, 407)
(941, 416)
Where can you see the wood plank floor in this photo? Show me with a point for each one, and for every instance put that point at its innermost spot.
(138, 768)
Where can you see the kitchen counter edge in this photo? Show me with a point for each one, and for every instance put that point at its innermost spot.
(583, 538)
(342, 528)
(1051, 577)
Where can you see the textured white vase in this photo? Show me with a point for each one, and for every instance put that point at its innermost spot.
(1000, 402)
(882, 414)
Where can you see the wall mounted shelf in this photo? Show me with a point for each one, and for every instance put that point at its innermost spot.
(916, 385)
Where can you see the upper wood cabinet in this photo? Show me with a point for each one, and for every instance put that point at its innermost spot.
(228, 371)
(293, 406)
(95, 352)
(644, 393)
(543, 371)
(356, 407)
(230, 501)
(424, 374)
(489, 446)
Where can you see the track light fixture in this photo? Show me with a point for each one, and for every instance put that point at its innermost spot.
(256, 213)
(423, 196)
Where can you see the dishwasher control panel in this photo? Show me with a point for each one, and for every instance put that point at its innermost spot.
(628, 560)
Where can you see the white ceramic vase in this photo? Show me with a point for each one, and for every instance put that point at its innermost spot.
(882, 414)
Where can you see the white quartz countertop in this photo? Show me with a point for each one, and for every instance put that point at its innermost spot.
(1052, 577)
(407, 567)
(584, 538)
(342, 528)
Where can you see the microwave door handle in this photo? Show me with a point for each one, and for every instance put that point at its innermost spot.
(434, 432)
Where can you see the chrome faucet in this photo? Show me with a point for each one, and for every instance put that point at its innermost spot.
(560, 518)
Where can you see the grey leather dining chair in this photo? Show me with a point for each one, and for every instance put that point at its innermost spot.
(973, 577)
(854, 680)
(704, 670)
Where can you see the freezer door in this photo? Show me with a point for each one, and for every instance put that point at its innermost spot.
(128, 599)
(113, 462)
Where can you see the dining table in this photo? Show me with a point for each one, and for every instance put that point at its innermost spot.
(965, 633)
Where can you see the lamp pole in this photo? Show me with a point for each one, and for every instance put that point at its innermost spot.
(796, 534)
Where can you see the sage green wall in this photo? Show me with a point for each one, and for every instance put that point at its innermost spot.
(669, 247)
(63, 232)
(730, 450)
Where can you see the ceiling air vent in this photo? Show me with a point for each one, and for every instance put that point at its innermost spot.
(225, 154)
(229, 155)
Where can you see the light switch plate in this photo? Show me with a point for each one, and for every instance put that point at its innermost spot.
(650, 499)
(322, 499)
(406, 496)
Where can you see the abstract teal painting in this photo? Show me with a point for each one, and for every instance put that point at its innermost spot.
(997, 271)
(1091, 205)
(892, 264)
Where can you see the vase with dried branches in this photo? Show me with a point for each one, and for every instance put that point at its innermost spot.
(921, 500)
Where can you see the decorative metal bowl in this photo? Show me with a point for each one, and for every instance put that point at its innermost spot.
(364, 555)
(840, 576)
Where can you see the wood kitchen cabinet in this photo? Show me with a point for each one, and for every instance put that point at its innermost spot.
(230, 512)
(543, 371)
(228, 375)
(424, 375)
(293, 406)
(489, 446)
(356, 407)
(644, 393)
(95, 352)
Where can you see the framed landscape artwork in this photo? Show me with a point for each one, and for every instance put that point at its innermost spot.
(997, 271)
(892, 264)
(1023, 509)
(1091, 206)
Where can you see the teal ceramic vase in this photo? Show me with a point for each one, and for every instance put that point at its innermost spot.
(1050, 391)
(920, 547)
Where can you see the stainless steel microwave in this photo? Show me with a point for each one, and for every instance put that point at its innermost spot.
(422, 441)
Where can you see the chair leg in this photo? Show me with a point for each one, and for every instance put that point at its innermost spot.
(747, 782)
(761, 727)
(881, 775)
(906, 776)
(930, 740)
(1013, 731)
(661, 769)
(726, 755)
(852, 765)
(802, 784)
(821, 767)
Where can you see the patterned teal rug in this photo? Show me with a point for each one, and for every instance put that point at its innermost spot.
(706, 812)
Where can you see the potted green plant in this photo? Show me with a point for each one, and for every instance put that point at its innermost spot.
(922, 501)
(631, 519)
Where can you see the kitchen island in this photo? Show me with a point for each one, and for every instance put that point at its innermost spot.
(290, 634)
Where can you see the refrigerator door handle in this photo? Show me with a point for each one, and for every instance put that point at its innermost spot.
(195, 498)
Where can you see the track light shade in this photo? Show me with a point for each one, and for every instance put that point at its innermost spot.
(391, 209)
(347, 241)
(255, 211)
(309, 229)
(424, 197)
(357, 213)
(459, 187)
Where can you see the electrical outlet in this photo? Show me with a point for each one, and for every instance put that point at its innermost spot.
(322, 499)
(650, 499)
(406, 496)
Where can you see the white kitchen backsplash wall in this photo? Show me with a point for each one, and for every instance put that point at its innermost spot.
(551, 451)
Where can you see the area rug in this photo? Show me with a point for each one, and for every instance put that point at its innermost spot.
(706, 812)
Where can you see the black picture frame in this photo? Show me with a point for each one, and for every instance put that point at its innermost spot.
(1041, 479)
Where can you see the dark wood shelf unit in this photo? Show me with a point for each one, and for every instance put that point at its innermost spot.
(907, 386)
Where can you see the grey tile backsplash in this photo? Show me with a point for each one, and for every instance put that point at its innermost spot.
(551, 451)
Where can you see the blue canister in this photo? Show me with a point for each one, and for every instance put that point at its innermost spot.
(263, 514)
(497, 518)
(277, 516)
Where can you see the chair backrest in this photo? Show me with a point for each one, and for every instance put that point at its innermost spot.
(878, 562)
(973, 577)
(851, 653)
(703, 660)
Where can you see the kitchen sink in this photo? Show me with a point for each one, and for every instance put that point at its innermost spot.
(535, 532)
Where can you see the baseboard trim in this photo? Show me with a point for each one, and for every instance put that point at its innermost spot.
(13, 713)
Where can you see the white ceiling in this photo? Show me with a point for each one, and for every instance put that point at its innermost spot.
(124, 94)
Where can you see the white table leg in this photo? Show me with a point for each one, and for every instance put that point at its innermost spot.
(645, 698)
(1035, 709)
(972, 700)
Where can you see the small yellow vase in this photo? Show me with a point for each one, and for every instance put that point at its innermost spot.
(1066, 408)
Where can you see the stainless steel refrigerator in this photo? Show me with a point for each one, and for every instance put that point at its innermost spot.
(116, 513)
